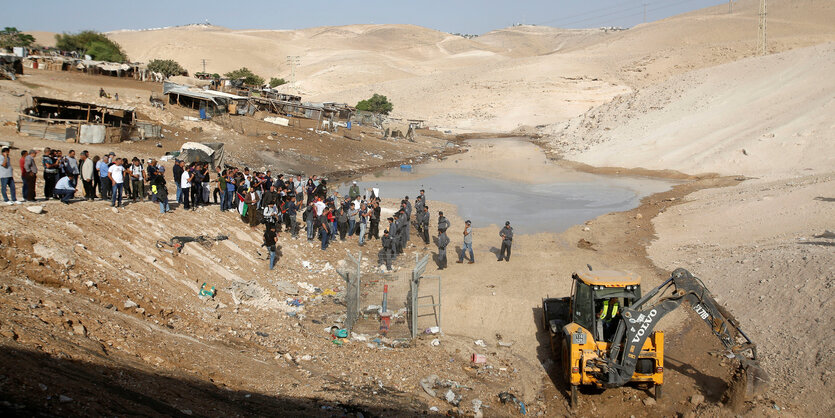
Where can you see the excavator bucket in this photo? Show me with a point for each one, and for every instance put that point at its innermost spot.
(749, 380)
(756, 379)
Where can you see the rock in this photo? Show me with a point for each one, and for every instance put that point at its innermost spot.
(639, 216)
(130, 304)
(79, 329)
(697, 399)
(64, 399)
(649, 402)
(35, 209)
(586, 229)
(89, 283)
(140, 311)
(186, 411)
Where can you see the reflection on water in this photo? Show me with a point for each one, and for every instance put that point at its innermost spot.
(531, 208)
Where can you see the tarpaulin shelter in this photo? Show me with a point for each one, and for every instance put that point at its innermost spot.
(205, 152)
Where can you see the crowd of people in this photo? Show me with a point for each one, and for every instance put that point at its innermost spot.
(259, 197)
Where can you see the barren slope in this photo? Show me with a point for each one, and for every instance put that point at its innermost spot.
(762, 116)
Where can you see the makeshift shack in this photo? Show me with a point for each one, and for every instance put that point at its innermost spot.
(206, 152)
(87, 123)
(207, 102)
(10, 66)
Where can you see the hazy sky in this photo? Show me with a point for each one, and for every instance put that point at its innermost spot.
(464, 16)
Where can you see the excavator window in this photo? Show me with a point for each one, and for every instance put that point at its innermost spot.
(608, 304)
(583, 309)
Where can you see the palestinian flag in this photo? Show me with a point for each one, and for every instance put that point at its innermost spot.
(242, 207)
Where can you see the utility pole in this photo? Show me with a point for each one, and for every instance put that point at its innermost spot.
(730, 6)
(761, 36)
(204, 64)
(293, 61)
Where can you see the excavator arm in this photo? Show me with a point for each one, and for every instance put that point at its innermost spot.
(638, 321)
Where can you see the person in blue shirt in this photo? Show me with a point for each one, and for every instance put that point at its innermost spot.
(65, 189)
(104, 183)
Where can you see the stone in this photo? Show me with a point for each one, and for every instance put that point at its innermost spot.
(79, 329)
(697, 399)
(35, 209)
(64, 399)
(649, 402)
(639, 216)
(130, 304)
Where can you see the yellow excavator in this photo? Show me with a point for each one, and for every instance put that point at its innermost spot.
(603, 334)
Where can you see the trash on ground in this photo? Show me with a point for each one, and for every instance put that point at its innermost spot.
(506, 397)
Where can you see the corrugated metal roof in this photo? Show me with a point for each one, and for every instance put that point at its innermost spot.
(77, 103)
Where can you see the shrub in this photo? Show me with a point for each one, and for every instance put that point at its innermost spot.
(377, 104)
(11, 37)
(166, 67)
(94, 44)
(249, 77)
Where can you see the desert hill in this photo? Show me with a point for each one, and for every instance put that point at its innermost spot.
(519, 76)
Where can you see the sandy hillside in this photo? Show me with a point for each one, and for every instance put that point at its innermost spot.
(521, 76)
(761, 116)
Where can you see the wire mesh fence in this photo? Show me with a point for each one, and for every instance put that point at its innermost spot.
(383, 302)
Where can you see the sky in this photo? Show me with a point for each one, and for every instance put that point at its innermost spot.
(453, 16)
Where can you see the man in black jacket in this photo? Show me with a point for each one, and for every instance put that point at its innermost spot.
(443, 223)
(507, 240)
(178, 174)
(443, 241)
(388, 249)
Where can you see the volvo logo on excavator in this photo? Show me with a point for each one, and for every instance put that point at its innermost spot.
(643, 329)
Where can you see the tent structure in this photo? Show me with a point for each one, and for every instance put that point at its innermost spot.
(209, 152)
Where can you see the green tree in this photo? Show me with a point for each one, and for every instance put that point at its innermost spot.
(249, 77)
(11, 37)
(275, 82)
(94, 44)
(377, 104)
(166, 67)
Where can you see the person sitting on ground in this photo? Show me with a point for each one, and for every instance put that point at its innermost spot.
(65, 189)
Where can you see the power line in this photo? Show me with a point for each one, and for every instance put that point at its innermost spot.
(761, 33)
(618, 13)
(293, 61)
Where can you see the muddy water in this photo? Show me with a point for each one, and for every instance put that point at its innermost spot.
(502, 180)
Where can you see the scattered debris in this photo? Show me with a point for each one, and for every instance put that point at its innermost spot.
(506, 397)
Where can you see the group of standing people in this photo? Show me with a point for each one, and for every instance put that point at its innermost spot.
(110, 175)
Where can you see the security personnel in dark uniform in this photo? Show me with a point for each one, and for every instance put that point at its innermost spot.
(507, 240)
(388, 249)
(423, 224)
(443, 223)
(443, 241)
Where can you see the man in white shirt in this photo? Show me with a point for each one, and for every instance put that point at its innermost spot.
(65, 188)
(117, 178)
(185, 186)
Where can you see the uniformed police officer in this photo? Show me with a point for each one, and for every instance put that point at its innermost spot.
(443, 241)
(507, 240)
